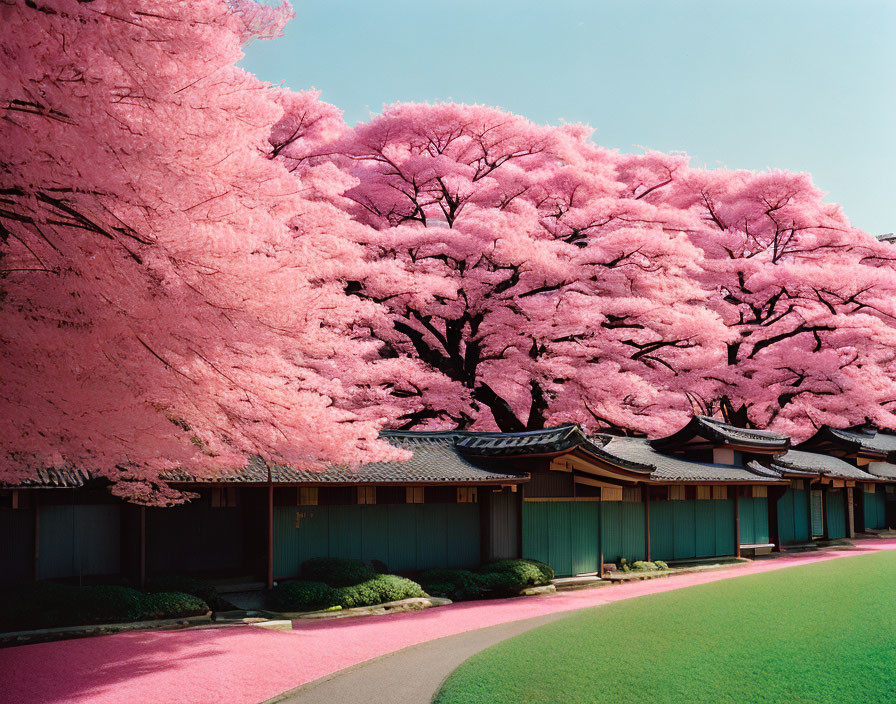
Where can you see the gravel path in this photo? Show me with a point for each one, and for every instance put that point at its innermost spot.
(411, 675)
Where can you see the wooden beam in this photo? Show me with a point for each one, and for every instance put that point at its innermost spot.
(824, 511)
(850, 513)
(496, 483)
(646, 494)
(588, 481)
(809, 508)
(270, 579)
(774, 533)
(736, 524)
(35, 566)
(142, 546)
(485, 528)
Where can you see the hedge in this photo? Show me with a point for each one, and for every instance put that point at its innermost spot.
(187, 585)
(529, 572)
(496, 579)
(52, 605)
(300, 595)
(649, 566)
(337, 571)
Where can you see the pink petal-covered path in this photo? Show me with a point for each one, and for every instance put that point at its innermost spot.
(239, 665)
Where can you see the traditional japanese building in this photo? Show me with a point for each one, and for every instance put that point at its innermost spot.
(874, 452)
(573, 500)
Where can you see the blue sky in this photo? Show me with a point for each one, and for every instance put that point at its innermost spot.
(807, 85)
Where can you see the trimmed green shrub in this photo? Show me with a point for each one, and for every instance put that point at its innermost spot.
(107, 603)
(52, 605)
(529, 572)
(171, 605)
(500, 584)
(454, 584)
(187, 585)
(443, 590)
(642, 565)
(303, 596)
(496, 579)
(379, 567)
(313, 596)
(336, 571)
(380, 589)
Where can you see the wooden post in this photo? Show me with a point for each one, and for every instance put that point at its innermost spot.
(270, 579)
(774, 534)
(600, 533)
(519, 520)
(142, 546)
(485, 528)
(808, 486)
(646, 492)
(824, 511)
(736, 522)
(35, 567)
(850, 513)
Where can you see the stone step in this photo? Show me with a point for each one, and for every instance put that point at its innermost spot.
(583, 581)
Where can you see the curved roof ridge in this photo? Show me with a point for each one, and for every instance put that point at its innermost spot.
(817, 463)
(718, 431)
(672, 468)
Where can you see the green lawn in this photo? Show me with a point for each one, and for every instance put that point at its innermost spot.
(824, 632)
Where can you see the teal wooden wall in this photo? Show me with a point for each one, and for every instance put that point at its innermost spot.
(79, 540)
(836, 505)
(195, 537)
(16, 545)
(874, 508)
(622, 530)
(817, 511)
(680, 530)
(793, 517)
(753, 520)
(407, 537)
(503, 523)
(563, 534)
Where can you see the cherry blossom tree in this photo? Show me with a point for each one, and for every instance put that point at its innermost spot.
(551, 280)
(516, 266)
(810, 300)
(158, 310)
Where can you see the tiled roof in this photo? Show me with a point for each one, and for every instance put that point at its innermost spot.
(762, 470)
(866, 439)
(723, 434)
(435, 459)
(672, 468)
(56, 477)
(548, 440)
(884, 470)
(813, 462)
(563, 438)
